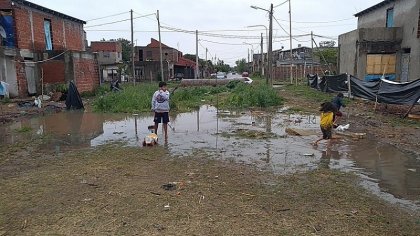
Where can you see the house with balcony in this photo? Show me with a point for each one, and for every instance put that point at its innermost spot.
(147, 62)
(385, 43)
(40, 48)
(109, 56)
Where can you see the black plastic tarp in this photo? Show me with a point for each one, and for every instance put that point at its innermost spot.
(73, 101)
(312, 81)
(336, 83)
(364, 89)
(383, 91)
(399, 93)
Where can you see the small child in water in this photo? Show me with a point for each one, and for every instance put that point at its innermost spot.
(327, 121)
(151, 139)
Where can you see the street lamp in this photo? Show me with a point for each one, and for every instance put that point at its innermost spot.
(270, 41)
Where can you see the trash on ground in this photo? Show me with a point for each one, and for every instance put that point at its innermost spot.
(169, 186)
(342, 128)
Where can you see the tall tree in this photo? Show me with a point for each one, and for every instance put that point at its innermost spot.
(241, 65)
(126, 49)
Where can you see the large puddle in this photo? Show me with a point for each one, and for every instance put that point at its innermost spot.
(253, 138)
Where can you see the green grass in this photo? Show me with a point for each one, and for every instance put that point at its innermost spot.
(302, 90)
(24, 129)
(234, 95)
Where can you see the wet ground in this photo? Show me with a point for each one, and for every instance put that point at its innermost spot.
(256, 138)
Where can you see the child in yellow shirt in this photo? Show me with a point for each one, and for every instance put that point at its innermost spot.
(327, 121)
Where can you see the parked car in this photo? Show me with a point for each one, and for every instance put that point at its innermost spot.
(245, 74)
(248, 80)
(221, 75)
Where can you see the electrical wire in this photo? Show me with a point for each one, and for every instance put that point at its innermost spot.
(317, 22)
(114, 22)
(104, 17)
(281, 4)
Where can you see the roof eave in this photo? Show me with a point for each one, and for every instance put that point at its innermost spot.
(374, 7)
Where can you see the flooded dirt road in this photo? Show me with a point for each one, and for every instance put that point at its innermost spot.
(253, 137)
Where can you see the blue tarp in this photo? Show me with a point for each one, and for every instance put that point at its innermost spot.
(7, 29)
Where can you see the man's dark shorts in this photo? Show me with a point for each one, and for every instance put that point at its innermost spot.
(161, 117)
(326, 133)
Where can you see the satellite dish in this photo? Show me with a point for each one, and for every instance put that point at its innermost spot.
(3, 32)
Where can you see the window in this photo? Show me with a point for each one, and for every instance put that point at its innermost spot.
(48, 34)
(390, 18)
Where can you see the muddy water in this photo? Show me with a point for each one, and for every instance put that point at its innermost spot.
(386, 171)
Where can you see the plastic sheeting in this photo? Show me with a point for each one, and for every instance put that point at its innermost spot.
(74, 101)
(383, 91)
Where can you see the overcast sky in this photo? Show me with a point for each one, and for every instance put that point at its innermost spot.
(222, 17)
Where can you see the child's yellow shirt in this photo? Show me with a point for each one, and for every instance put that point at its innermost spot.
(327, 120)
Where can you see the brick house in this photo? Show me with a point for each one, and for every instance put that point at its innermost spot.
(40, 48)
(147, 62)
(109, 55)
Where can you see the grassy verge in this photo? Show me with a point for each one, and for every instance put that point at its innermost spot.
(233, 95)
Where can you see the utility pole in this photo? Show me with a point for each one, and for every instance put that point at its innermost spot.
(312, 52)
(262, 58)
(207, 67)
(160, 50)
(132, 48)
(270, 47)
(248, 55)
(196, 55)
(291, 46)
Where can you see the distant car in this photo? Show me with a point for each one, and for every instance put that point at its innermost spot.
(179, 76)
(221, 75)
(234, 73)
(247, 80)
(245, 74)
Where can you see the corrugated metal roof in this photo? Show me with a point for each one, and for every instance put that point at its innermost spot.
(47, 10)
(372, 8)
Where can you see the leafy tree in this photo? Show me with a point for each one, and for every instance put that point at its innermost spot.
(221, 66)
(330, 55)
(241, 65)
(126, 49)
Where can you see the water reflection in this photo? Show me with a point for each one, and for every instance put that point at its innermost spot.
(394, 171)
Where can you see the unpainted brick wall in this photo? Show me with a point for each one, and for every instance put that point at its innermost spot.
(71, 39)
(86, 74)
(21, 80)
(53, 72)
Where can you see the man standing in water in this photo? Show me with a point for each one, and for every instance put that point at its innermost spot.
(160, 105)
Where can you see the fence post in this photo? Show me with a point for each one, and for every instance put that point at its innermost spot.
(349, 85)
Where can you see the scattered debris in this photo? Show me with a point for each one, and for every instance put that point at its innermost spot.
(166, 207)
(169, 186)
(309, 154)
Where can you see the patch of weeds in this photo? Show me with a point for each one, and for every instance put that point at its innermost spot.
(5, 100)
(24, 129)
(234, 95)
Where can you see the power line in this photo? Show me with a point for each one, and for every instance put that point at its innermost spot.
(119, 21)
(104, 17)
(281, 4)
(281, 26)
(318, 22)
